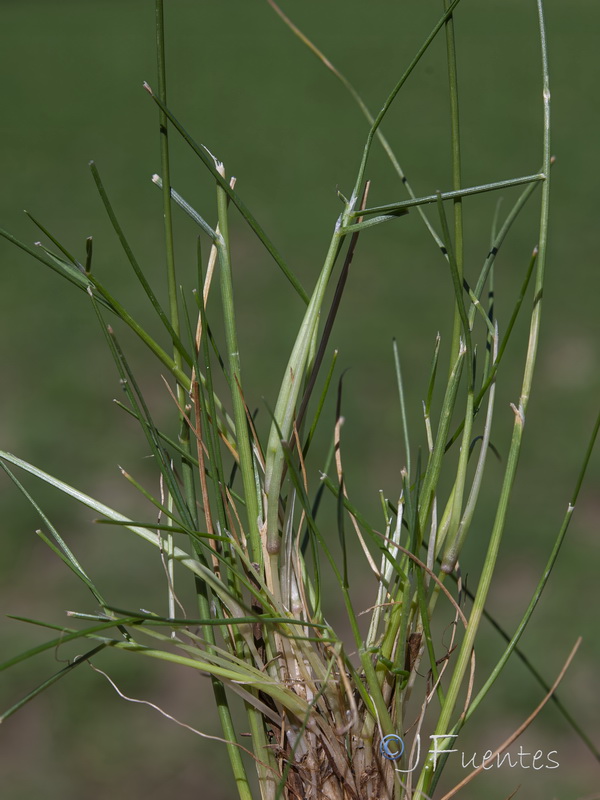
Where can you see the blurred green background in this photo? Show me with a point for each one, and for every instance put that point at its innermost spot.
(71, 91)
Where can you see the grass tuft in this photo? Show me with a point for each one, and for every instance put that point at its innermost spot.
(246, 519)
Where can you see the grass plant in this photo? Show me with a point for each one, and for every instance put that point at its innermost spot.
(241, 515)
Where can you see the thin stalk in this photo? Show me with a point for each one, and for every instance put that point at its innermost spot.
(134, 263)
(66, 635)
(402, 410)
(61, 548)
(233, 751)
(170, 363)
(391, 97)
(55, 242)
(494, 366)
(166, 171)
(540, 588)
(205, 411)
(464, 655)
(465, 328)
(390, 208)
(184, 433)
(434, 464)
(456, 172)
(179, 555)
(454, 546)
(63, 268)
(320, 405)
(208, 160)
(363, 107)
(241, 426)
(77, 661)
(498, 239)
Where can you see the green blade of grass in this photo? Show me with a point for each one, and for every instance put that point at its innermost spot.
(363, 107)
(391, 97)
(264, 619)
(341, 489)
(189, 210)
(153, 346)
(100, 508)
(60, 547)
(63, 268)
(502, 347)
(281, 429)
(464, 656)
(320, 405)
(52, 680)
(434, 464)
(456, 184)
(136, 398)
(67, 635)
(537, 594)
(355, 227)
(329, 322)
(206, 157)
(499, 238)
(454, 546)
(464, 328)
(171, 528)
(245, 674)
(455, 194)
(207, 409)
(135, 264)
(55, 242)
(246, 461)
(403, 416)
